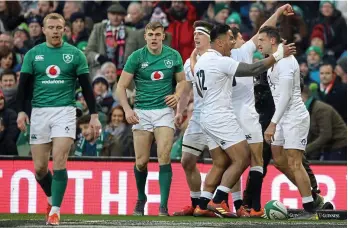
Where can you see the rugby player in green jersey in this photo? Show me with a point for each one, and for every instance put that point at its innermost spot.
(53, 68)
(154, 68)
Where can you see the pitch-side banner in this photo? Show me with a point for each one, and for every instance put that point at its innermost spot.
(110, 188)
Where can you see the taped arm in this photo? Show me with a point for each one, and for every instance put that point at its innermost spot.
(285, 85)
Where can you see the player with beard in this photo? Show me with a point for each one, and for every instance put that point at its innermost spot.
(214, 73)
(244, 107)
(288, 130)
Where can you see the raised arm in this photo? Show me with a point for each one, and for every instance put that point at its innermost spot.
(272, 21)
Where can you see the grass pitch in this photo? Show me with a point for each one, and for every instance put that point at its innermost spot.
(98, 221)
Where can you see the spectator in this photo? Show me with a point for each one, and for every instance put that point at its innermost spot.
(8, 83)
(182, 16)
(102, 93)
(88, 145)
(234, 20)
(327, 132)
(109, 70)
(35, 32)
(6, 39)
(148, 7)
(43, 8)
(305, 72)
(332, 91)
(294, 30)
(119, 134)
(314, 61)
(109, 40)
(135, 16)
(221, 12)
(256, 18)
(160, 16)
(341, 69)
(10, 15)
(71, 7)
(317, 39)
(335, 27)
(7, 59)
(67, 33)
(8, 129)
(91, 7)
(79, 33)
(20, 36)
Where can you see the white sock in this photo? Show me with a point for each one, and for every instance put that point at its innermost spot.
(207, 195)
(307, 199)
(236, 196)
(49, 200)
(224, 189)
(55, 209)
(195, 195)
(257, 168)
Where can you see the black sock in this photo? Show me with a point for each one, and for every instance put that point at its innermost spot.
(238, 204)
(226, 200)
(203, 202)
(247, 194)
(308, 206)
(46, 183)
(194, 202)
(220, 196)
(256, 183)
(314, 195)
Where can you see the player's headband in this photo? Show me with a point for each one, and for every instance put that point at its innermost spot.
(202, 30)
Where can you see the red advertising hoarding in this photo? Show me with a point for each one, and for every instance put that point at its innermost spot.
(99, 187)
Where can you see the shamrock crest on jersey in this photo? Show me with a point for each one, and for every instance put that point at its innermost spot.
(53, 71)
(68, 58)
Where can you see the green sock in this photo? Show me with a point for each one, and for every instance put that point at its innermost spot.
(165, 180)
(140, 178)
(60, 180)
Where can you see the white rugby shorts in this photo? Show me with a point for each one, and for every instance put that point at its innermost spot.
(223, 131)
(151, 119)
(52, 122)
(248, 119)
(291, 133)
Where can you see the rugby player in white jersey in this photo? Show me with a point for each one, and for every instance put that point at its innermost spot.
(214, 73)
(244, 107)
(194, 140)
(289, 126)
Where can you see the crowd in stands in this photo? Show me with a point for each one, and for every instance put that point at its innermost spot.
(108, 32)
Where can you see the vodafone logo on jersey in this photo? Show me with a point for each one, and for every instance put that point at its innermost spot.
(53, 71)
(157, 75)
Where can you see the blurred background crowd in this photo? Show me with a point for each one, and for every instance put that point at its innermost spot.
(108, 32)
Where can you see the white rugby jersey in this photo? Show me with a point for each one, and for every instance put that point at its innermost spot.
(243, 91)
(287, 68)
(214, 75)
(194, 125)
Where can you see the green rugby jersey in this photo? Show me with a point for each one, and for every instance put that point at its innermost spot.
(154, 76)
(55, 71)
